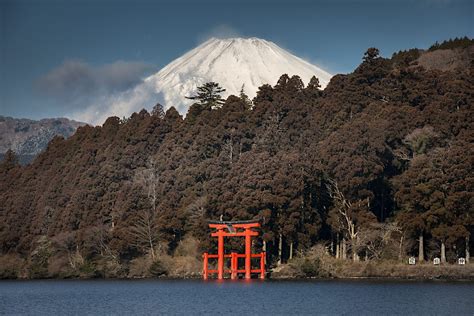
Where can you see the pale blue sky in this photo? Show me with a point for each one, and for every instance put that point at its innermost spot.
(108, 46)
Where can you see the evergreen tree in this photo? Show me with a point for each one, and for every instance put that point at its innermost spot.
(314, 83)
(282, 82)
(158, 110)
(313, 87)
(244, 97)
(209, 95)
(371, 54)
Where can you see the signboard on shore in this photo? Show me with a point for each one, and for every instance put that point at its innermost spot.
(436, 261)
(411, 261)
(462, 261)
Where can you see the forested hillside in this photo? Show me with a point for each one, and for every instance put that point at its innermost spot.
(376, 166)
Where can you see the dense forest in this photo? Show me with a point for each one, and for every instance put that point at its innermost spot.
(377, 166)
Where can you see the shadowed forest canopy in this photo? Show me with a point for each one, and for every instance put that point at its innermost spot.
(390, 143)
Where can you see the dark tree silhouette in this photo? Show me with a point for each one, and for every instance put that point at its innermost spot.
(209, 95)
(158, 111)
(371, 54)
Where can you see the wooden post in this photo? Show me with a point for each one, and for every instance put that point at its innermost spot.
(204, 268)
(248, 246)
(220, 255)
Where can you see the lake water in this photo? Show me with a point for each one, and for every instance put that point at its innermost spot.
(170, 297)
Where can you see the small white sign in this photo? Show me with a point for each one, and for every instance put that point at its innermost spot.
(462, 261)
(436, 261)
(411, 260)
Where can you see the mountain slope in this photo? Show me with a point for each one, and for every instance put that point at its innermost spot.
(27, 138)
(233, 63)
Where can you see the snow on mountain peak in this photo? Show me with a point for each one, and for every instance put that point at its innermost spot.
(231, 62)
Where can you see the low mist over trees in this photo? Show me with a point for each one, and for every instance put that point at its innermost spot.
(376, 166)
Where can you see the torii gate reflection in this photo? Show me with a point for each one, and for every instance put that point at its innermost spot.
(233, 229)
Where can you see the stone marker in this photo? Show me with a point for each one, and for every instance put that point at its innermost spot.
(436, 261)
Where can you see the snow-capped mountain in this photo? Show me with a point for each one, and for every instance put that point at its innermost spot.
(232, 62)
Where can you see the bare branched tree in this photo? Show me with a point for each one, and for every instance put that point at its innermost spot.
(420, 140)
(102, 243)
(343, 208)
(145, 232)
(67, 242)
(147, 179)
(228, 148)
(378, 238)
(347, 215)
(145, 228)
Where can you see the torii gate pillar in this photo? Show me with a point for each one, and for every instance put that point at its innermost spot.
(248, 250)
(220, 254)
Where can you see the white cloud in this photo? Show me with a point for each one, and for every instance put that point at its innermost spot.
(90, 92)
(120, 104)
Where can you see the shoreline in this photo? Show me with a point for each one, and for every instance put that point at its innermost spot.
(317, 266)
(348, 279)
(383, 278)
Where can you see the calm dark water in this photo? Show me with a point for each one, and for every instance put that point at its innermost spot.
(153, 297)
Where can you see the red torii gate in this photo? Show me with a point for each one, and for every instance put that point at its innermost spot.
(233, 229)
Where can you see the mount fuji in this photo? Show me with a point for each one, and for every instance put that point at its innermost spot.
(233, 63)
